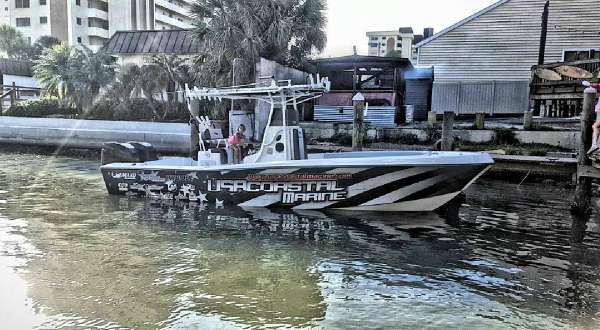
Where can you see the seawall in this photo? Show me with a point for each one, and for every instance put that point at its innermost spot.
(91, 134)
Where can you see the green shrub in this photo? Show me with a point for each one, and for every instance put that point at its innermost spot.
(511, 150)
(433, 134)
(342, 139)
(504, 136)
(41, 108)
(404, 138)
(538, 152)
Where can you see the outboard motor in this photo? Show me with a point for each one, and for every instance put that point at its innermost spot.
(130, 152)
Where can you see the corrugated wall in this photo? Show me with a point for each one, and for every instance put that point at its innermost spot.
(489, 97)
(503, 43)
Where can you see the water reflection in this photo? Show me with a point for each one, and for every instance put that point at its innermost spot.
(87, 260)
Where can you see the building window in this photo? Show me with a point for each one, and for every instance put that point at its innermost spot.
(580, 55)
(42, 2)
(383, 38)
(43, 19)
(374, 38)
(373, 44)
(78, 19)
(78, 40)
(21, 3)
(399, 45)
(78, 2)
(23, 21)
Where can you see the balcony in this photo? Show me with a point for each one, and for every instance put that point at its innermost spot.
(98, 32)
(171, 21)
(181, 10)
(97, 13)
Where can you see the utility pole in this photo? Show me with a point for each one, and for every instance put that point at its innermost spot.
(544, 34)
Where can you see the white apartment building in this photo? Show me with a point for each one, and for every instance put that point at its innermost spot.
(92, 22)
(383, 42)
(404, 41)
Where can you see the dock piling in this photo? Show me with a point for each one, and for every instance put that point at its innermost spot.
(480, 120)
(447, 127)
(581, 204)
(358, 134)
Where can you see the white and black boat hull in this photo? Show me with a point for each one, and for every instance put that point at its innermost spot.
(375, 188)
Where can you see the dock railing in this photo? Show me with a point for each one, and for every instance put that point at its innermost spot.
(11, 94)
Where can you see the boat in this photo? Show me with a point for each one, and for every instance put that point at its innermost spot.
(281, 174)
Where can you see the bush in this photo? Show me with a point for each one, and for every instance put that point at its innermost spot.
(404, 138)
(504, 136)
(510, 150)
(41, 108)
(136, 109)
(538, 152)
(342, 139)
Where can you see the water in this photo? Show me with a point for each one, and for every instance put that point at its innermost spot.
(72, 257)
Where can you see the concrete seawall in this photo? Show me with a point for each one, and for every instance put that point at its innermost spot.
(563, 139)
(91, 134)
(174, 137)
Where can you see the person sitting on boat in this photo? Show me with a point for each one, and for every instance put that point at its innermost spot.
(237, 142)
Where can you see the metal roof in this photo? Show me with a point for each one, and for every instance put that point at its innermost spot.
(463, 22)
(358, 59)
(405, 30)
(178, 41)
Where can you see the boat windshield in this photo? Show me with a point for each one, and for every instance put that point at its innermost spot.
(277, 117)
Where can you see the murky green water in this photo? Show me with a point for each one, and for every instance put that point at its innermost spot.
(72, 257)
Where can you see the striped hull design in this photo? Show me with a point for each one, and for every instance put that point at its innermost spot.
(383, 188)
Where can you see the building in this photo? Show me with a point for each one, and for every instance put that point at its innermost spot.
(92, 22)
(380, 80)
(136, 47)
(382, 43)
(483, 63)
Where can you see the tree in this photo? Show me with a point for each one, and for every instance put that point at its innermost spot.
(177, 73)
(12, 42)
(152, 80)
(53, 72)
(91, 71)
(74, 75)
(283, 31)
(394, 53)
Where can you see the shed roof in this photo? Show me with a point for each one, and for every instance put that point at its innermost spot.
(463, 22)
(363, 60)
(179, 42)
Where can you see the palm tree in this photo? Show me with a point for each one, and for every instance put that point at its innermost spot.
(53, 72)
(92, 71)
(74, 75)
(283, 31)
(151, 80)
(12, 42)
(177, 73)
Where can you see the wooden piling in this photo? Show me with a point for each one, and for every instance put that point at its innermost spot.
(13, 95)
(480, 121)
(447, 127)
(358, 129)
(431, 118)
(528, 120)
(583, 193)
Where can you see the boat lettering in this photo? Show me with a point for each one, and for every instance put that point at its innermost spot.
(293, 198)
(247, 186)
(123, 175)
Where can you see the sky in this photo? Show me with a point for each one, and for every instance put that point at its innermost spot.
(349, 20)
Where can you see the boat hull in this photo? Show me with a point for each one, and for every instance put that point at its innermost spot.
(375, 188)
